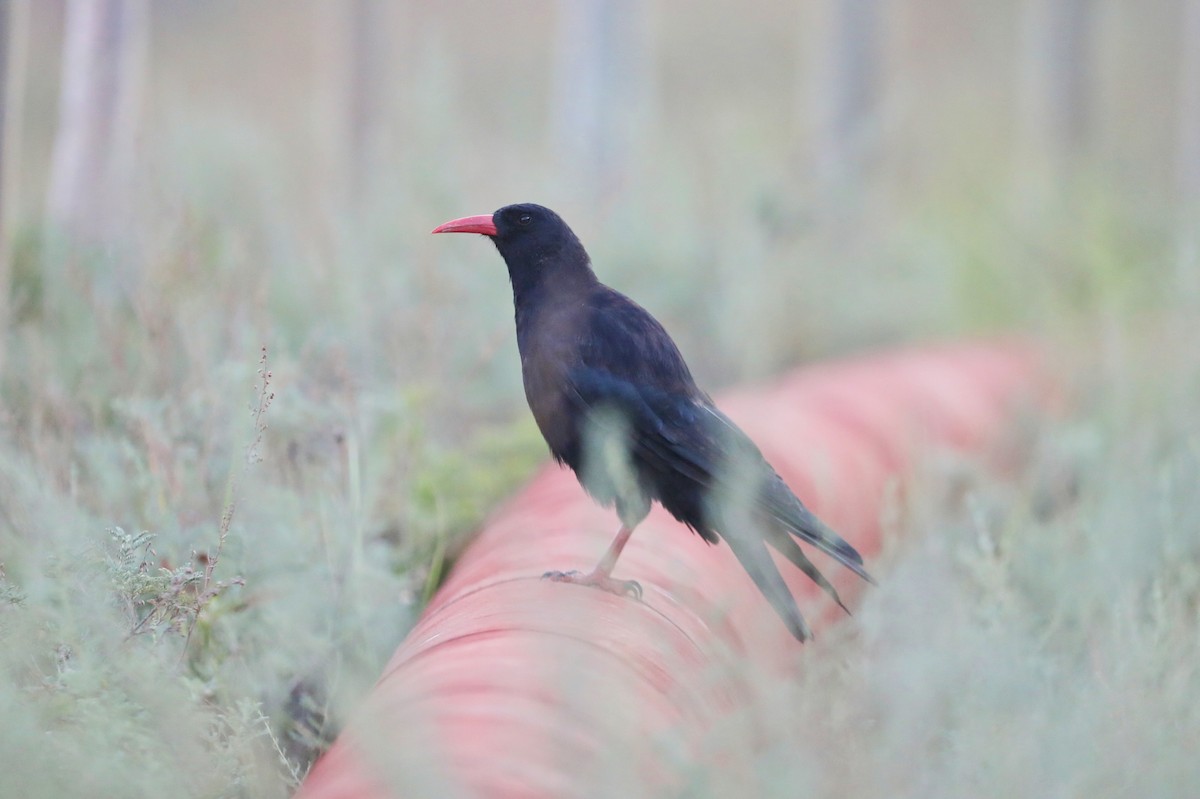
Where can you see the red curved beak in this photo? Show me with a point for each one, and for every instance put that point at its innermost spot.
(469, 224)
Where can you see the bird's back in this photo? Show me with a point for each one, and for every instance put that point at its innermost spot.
(601, 336)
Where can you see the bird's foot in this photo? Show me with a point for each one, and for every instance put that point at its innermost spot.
(598, 580)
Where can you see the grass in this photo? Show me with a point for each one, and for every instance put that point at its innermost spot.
(206, 556)
(201, 580)
(197, 585)
(1032, 636)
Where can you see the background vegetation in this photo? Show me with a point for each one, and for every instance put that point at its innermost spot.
(249, 408)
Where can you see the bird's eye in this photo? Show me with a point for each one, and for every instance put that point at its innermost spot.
(524, 219)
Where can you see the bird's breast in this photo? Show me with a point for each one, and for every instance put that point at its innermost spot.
(545, 391)
(548, 340)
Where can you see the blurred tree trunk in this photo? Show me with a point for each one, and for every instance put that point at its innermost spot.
(365, 92)
(353, 35)
(351, 85)
(1057, 68)
(14, 37)
(1188, 155)
(847, 92)
(99, 108)
(600, 76)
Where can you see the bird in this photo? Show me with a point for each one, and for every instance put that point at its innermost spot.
(615, 401)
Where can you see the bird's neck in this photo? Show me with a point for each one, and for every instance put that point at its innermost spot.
(549, 285)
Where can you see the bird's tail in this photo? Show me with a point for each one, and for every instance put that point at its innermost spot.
(788, 547)
(752, 553)
(784, 508)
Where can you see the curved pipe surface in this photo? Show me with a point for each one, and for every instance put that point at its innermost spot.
(513, 686)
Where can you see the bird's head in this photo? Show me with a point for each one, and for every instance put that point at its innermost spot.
(534, 241)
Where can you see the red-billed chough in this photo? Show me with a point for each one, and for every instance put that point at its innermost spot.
(616, 402)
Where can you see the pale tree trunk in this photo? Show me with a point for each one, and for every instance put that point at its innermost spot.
(1188, 155)
(600, 85)
(14, 38)
(365, 92)
(847, 92)
(104, 51)
(1057, 79)
(1188, 150)
(351, 36)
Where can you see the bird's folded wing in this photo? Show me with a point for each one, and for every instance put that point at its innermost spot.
(667, 433)
(691, 437)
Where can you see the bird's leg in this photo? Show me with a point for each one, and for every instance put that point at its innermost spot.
(609, 561)
(601, 576)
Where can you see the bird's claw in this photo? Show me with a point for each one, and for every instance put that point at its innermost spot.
(602, 581)
(562, 577)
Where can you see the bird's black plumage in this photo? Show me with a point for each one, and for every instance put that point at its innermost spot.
(616, 402)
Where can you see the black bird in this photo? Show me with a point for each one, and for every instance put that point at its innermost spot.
(615, 402)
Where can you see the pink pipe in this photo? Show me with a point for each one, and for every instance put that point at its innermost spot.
(512, 686)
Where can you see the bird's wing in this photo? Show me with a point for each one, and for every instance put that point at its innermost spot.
(724, 458)
(688, 436)
(672, 438)
(666, 432)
